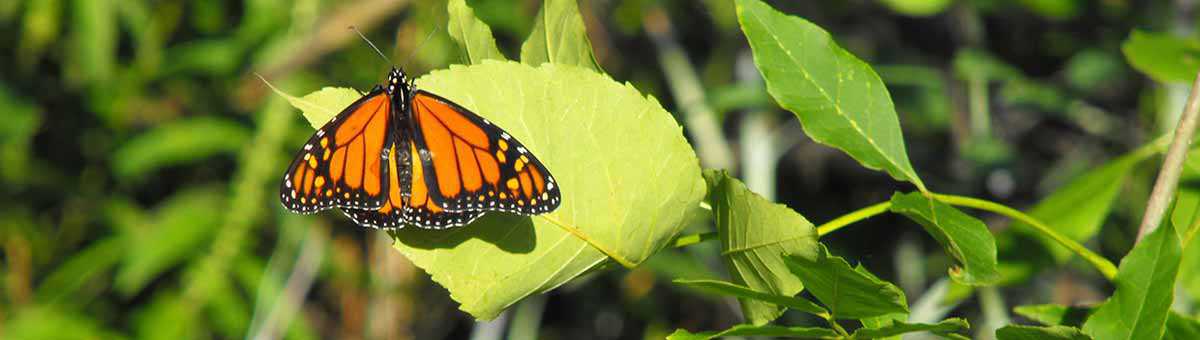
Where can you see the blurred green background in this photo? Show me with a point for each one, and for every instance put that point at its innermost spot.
(139, 155)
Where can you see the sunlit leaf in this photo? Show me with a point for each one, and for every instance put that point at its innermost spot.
(838, 98)
(918, 8)
(964, 237)
(473, 36)
(626, 173)
(848, 293)
(752, 330)
(1145, 283)
(1055, 315)
(756, 235)
(1163, 57)
(559, 37)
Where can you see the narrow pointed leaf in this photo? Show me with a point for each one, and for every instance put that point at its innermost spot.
(1145, 283)
(1079, 208)
(743, 292)
(473, 36)
(1021, 332)
(756, 235)
(964, 237)
(559, 37)
(764, 330)
(848, 293)
(952, 325)
(838, 98)
(1055, 315)
(627, 175)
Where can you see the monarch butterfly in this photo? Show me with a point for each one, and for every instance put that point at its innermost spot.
(403, 156)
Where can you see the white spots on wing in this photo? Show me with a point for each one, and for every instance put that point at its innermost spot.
(505, 135)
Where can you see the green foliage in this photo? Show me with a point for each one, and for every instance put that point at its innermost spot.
(918, 8)
(1162, 57)
(964, 237)
(945, 328)
(1145, 284)
(756, 235)
(178, 142)
(1079, 208)
(848, 293)
(745, 293)
(838, 98)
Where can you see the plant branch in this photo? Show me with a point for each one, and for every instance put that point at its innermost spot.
(1103, 265)
(1168, 174)
(855, 216)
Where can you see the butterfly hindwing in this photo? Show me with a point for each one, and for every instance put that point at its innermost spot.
(341, 164)
(472, 164)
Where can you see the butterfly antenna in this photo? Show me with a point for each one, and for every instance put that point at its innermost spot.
(414, 51)
(364, 38)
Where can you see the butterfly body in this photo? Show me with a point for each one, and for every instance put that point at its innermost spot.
(403, 156)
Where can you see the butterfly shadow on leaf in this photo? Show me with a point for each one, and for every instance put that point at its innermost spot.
(511, 233)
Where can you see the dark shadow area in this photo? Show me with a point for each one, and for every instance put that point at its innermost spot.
(511, 233)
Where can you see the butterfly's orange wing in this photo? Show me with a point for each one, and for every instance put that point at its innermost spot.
(408, 201)
(342, 163)
(471, 164)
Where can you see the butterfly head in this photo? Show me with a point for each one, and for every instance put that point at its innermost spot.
(398, 81)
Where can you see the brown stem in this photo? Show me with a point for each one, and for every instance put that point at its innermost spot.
(1168, 175)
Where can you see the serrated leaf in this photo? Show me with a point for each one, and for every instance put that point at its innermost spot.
(951, 325)
(1021, 332)
(964, 237)
(178, 142)
(848, 293)
(1145, 284)
(743, 292)
(838, 98)
(764, 330)
(627, 175)
(1163, 57)
(473, 36)
(1078, 209)
(559, 37)
(756, 235)
(1054, 315)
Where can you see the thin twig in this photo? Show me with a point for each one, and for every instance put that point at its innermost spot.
(1168, 175)
(699, 118)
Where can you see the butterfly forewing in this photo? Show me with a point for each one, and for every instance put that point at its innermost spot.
(472, 164)
(342, 163)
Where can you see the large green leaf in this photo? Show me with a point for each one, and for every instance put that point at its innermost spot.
(1020, 332)
(178, 142)
(763, 330)
(838, 98)
(626, 173)
(1161, 56)
(882, 321)
(743, 292)
(1181, 327)
(848, 293)
(964, 237)
(473, 36)
(1078, 209)
(559, 37)
(1145, 284)
(756, 235)
(952, 325)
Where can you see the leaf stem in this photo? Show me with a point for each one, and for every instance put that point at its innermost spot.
(836, 327)
(1103, 265)
(855, 216)
(1168, 174)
